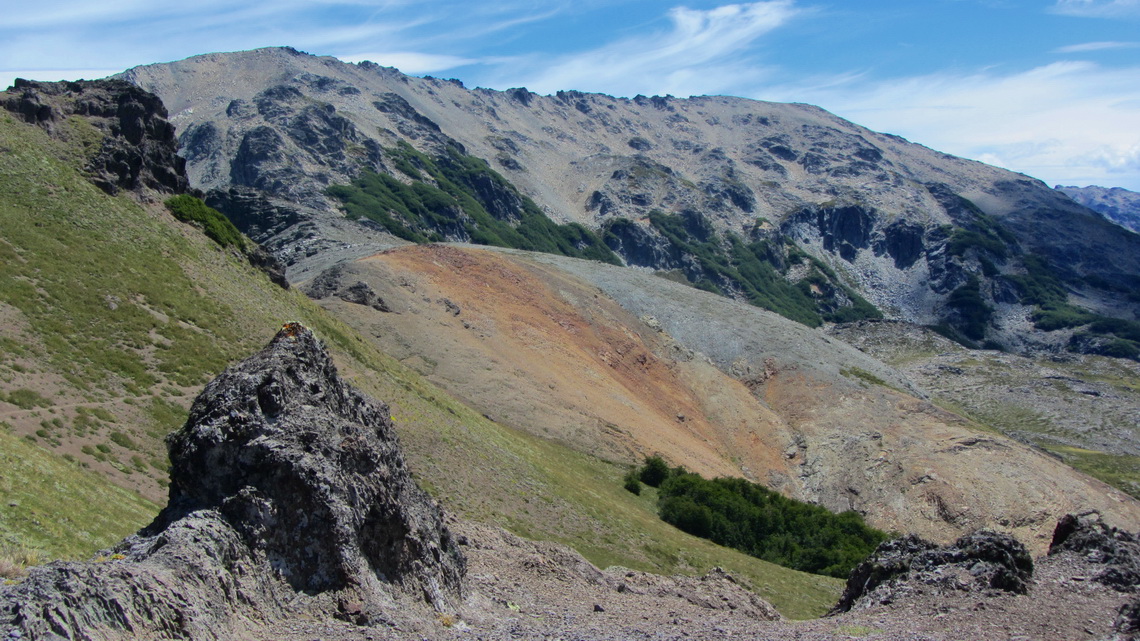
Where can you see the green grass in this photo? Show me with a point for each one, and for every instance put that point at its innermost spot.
(59, 508)
(1119, 471)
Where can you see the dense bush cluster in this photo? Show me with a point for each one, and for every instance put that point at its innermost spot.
(757, 521)
(189, 209)
(450, 197)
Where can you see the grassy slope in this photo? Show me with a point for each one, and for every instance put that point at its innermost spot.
(119, 310)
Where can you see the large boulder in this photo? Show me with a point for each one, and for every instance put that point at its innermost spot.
(1116, 552)
(289, 495)
(979, 562)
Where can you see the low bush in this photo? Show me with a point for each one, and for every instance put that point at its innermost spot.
(214, 223)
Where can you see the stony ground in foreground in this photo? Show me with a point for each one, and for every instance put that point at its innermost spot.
(524, 590)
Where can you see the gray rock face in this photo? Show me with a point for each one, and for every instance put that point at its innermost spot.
(977, 562)
(288, 495)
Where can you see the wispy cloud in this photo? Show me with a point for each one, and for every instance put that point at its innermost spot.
(1098, 8)
(1064, 122)
(702, 51)
(1097, 46)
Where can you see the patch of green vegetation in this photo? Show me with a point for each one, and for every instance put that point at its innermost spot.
(165, 417)
(1027, 424)
(865, 376)
(58, 507)
(214, 223)
(26, 399)
(762, 523)
(751, 268)
(1041, 287)
(973, 313)
(983, 234)
(101, 284)
(123, 441)
(453, 200)
(857, 631)
(1117, 470)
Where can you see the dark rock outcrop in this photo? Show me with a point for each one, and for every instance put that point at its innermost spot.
(976, 562)
(1116, 551)
(331, 282)
(289, 495)
(138, 149)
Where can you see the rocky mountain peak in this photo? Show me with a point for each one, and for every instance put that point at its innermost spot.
(288, 494)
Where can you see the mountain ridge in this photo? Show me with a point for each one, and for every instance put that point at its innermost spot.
(925, 237)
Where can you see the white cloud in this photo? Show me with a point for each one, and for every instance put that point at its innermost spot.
(412, 62)
(1097, 46)
(700, 53)
(1067, 122)
(1098, 8)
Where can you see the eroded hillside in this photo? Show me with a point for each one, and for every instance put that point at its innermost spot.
(622, 364)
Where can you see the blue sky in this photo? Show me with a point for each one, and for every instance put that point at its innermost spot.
(1050, 88)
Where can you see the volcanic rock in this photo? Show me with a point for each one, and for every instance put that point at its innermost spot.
(289, 496)
(977, 562)
(1116, 551)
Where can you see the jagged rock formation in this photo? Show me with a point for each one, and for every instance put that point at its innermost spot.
(1115, 555)
(288, 496)
(978, 562)
(922, 236)
(1116, 551)
(138, 147)
(1121, 206)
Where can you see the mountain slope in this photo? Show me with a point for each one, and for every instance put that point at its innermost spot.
(115, 314)
(922, 236)
(622, 364)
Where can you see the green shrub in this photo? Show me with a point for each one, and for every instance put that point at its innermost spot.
(27, 399)
(654, 472)
(124, 441)
(189, 209)
(765, 524)
(632, 483)
(973, 312)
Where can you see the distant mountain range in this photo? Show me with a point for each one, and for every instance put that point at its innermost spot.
(1119, 205)
(782, 205)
